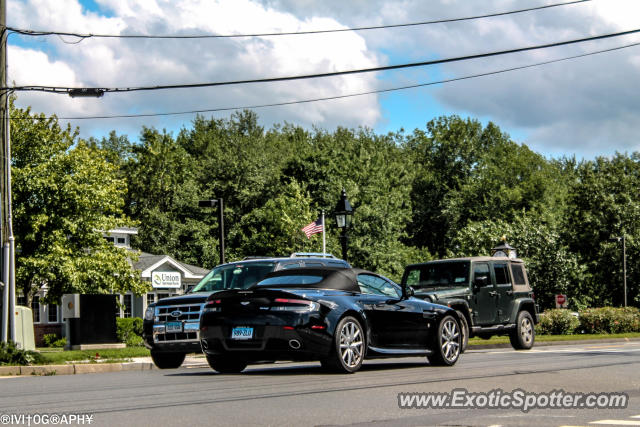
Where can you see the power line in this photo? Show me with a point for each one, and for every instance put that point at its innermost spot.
(97, 91)
(278, 104)
(83, 36)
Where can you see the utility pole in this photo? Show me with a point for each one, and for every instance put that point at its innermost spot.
(3, 114)
(6, 229)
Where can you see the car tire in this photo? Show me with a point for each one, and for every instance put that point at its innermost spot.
(464, 328)
(226, 365)
(167, 360)
(524, 334)
(447, 342)
(349, 347)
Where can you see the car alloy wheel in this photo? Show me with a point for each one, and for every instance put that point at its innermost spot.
(523, 336)
(351, 344)
(349, 347)
(447, 343)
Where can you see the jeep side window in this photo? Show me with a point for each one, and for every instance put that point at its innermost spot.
(502, 275)
(481, 275)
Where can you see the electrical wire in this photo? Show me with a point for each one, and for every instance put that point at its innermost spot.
(72, 91)
(82, 36)
(278, 104)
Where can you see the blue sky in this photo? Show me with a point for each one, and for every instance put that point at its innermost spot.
(585, 107)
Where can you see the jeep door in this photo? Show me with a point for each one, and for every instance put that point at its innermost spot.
(505, 290)
(483, 302)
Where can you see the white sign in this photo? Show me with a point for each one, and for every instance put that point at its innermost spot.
(165, 279)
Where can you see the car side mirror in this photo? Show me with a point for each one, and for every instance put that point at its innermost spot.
(481, 281)
(407, 292)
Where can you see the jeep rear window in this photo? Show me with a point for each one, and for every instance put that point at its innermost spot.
(438, 275)
(234, 276)
(518, 274)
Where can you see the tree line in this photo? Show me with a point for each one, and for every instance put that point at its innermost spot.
(451, 189)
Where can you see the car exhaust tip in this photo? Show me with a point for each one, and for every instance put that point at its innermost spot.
(295, 344)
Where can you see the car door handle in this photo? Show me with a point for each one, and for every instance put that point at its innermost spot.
(493, 293)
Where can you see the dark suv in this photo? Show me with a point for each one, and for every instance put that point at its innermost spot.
(171, 325)
(491, 294)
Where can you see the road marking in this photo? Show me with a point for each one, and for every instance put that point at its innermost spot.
(606, 346)
(617, 422)
(635, 416)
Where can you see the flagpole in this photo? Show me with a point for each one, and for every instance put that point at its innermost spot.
(324, 238)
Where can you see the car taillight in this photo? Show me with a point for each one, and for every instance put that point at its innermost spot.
(299, 305)
(212, 305)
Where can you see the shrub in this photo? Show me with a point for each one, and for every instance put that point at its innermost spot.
(557, 322)
(610, 320)
(53, 340)
(129, 331)
(10, 354)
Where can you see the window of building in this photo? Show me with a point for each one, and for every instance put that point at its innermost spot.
(121, 240)
(151, 298)
(53, 313)
(110, 239)
(128, 304)
(35, 306)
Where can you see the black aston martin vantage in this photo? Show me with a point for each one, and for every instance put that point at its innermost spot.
(337, 316)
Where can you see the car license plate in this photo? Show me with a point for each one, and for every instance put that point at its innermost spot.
(173, 327)
(242, 333)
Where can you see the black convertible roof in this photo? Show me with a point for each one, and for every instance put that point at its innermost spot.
(343, 279)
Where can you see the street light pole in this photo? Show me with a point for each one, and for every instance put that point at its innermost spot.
(212, 203)
(624, 267)
(343, 213)
(624, 263)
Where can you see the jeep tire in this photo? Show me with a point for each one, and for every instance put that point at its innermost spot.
(523, 335)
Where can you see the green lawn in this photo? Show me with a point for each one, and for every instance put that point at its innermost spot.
(56, 356)
(545, 338)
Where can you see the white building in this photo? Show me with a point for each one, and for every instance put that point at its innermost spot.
(167, 276)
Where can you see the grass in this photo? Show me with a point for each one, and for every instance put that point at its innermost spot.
(55, 356)
(548, 338)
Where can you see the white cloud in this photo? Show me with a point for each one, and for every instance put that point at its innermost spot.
(128, 63)
(585, 106)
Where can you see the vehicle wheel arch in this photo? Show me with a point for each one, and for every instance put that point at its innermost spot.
(524, 305)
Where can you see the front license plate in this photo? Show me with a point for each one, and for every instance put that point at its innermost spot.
(242, 333)
(173, 327)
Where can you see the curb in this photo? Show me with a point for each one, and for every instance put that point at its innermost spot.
(73, 369)
(95, 368)
(551, 343)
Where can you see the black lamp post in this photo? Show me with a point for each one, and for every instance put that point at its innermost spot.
(343, 213)
(220, 204)
(624, 263)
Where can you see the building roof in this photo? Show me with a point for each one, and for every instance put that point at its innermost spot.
(147, 263)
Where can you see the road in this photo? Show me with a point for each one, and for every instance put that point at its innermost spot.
(302, 394)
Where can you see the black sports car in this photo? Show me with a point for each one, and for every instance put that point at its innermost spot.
(337, 316)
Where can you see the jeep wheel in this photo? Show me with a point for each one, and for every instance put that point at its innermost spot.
(226, 365)
(464, 328)
(523, 336)
(446, 345)
(167, 360)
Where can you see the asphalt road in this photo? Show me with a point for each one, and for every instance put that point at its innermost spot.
(302, 394)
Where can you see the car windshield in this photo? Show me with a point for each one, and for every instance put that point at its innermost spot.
(234, 276)
(438, 275)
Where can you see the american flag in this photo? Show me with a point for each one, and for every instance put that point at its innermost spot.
(315, 227)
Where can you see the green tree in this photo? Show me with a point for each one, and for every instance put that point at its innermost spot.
(604, 202)
(64, 195)
(552, 268)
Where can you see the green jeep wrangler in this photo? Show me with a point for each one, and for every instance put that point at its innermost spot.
(491, 294)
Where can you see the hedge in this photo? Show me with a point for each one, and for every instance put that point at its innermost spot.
(130, 331)
(604, 320)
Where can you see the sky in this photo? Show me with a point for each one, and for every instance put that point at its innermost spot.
(584, 107)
